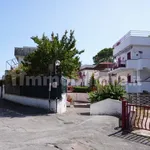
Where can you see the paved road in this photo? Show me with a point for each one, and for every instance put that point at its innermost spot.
(74, 130)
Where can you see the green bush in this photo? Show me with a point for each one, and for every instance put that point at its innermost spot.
(81, 89)
(113, 91)
(92, 82)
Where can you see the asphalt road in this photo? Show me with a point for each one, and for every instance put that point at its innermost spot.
(25, 128)
(19, 109)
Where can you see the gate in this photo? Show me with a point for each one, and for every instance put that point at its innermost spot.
(135, 116)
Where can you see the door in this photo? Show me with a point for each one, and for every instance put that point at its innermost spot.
(129, 55)
(119, 61)
(129, 78)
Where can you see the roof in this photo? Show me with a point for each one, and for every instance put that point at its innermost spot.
(87, 67)
(103, 65)
(23, 51)
(106, 63)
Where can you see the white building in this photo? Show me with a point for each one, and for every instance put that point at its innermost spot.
(132, 53)
(21, 52)
(85, 74)
(100, 72)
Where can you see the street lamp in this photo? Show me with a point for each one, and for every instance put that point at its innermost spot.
(57, 64)
(50, 85)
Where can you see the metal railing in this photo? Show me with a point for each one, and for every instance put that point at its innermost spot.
(11, 64)
(135, 116)
(119, 64)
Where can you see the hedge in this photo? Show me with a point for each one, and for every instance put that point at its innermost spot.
(81, 89)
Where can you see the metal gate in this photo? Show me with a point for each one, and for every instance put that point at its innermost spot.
(135, 116)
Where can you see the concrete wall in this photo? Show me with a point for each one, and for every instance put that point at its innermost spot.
(138, 64)
(106, 107)
(40, 103)
(135, 53)
(132, 40)
(79, 96)
(20, 59)
(138, 88)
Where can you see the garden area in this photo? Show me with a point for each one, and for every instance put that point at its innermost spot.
(97, 92)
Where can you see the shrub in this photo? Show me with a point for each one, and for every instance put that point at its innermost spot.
(113, 91)
(81, 89)
(92, 82)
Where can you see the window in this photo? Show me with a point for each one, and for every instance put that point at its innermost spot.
(129, 55)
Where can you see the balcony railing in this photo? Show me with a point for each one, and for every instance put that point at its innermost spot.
(119, 64)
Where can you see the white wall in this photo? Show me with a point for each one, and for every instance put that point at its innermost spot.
(138, 88)
(106, 107)
(88, 74)
(74, 82)
(62, 104)
(138, 64)
(86, 78)
(40, 103)
(79, 96)
(20, 59)
(143, 74)
(121, 46)
(135, 52)
(123, 56)
(132, 40)
(144, 49)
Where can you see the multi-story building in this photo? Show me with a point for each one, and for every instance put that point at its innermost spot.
(132, 55)
(21, 52)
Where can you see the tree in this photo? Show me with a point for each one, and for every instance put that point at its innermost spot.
(92, 81)
(105, 54)
(51, 49)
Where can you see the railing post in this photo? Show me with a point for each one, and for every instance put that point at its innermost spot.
(124, 119)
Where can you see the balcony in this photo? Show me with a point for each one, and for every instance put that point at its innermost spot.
(130, 65)
(138, 87)
(120, 67)
(121, 64)
(138, 64)
(132, 38)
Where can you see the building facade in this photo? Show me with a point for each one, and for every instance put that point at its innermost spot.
(21, 52)
(132, 61)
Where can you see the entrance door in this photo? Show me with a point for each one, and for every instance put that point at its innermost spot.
(129, 55)
(119, 61)
(129, 78)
